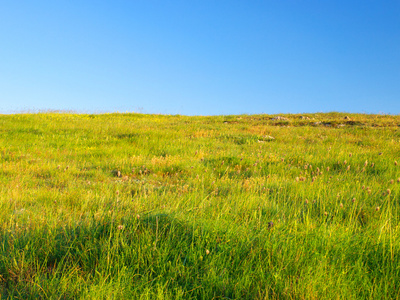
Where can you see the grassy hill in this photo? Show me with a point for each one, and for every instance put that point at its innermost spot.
(134, 206)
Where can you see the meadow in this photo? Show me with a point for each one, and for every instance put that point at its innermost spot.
(136, 206)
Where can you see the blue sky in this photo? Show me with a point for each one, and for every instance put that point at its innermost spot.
(200, 57)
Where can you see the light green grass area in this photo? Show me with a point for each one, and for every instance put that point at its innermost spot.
(134, 206)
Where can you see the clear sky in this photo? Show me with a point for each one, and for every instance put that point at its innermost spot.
(200, 57)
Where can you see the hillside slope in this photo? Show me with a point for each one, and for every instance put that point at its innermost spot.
(135, 206)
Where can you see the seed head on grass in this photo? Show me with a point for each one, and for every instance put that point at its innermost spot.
(121, 227)
(377, 208)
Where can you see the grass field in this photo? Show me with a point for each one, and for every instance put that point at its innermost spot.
(134, 206)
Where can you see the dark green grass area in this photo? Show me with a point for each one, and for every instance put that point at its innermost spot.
(133, 206)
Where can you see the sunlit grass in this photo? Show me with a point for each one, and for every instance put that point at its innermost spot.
(171, 207)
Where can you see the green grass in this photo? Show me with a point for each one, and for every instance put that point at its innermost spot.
(134, 206)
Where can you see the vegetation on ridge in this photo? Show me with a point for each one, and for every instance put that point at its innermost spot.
(134, 206)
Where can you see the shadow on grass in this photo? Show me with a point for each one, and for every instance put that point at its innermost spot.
(126, 258)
